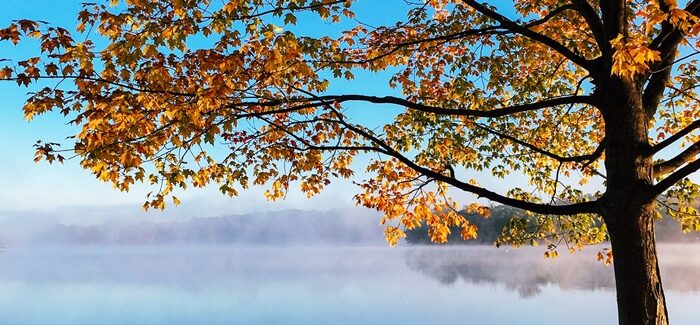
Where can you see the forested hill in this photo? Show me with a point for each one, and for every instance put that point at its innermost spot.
(287, 227)
(667, 229)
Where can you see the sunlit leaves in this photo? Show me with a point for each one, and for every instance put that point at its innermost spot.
(568, 232)
(393, 235)
(10, 33)
(681, 203)
(606, 256)
(237, 93)
(632, 57)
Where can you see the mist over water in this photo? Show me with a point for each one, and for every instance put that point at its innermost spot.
(300, 267)
(526, 271)
(238, 284)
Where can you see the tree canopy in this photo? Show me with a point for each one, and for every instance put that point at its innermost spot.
(481, 91)
(562, 92)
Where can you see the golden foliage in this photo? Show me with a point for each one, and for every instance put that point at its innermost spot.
(195, 93)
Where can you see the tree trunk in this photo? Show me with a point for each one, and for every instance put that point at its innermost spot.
(640, 296)
(628, 205)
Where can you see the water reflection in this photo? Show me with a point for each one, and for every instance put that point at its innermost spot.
(192, 266)
(527, 272)
(319, 285)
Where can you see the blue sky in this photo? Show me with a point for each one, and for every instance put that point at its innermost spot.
(65, 189)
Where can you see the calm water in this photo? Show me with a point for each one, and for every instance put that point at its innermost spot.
(238, 285)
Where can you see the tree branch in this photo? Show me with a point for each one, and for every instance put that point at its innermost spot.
(113, 83)
(549, 16)
(571, 209)
(669, 34)
(670, 140)
(490, 30)
(667, 43)
(614, 20)
(523, 30)
(592, 19)
(576, 208)
(674, 178)
(499, 112)
(541, 151)
(677, 161)
(289, 8)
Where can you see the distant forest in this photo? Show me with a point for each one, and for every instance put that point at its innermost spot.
(667, 229)
(288, 227)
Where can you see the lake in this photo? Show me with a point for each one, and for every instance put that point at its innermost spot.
(324, 285)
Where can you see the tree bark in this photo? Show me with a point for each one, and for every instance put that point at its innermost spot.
(640, 295)
(629, 203)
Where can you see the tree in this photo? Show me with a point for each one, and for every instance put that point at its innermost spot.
(560, 91)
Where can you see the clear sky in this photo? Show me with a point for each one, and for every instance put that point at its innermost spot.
(65, 189)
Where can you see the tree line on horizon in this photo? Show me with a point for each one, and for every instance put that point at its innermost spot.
(668, 230)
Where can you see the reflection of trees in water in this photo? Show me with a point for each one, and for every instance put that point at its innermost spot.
(527, 272)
